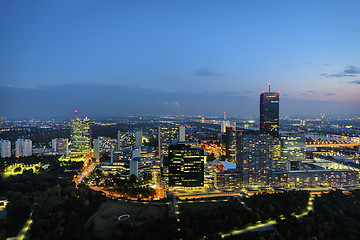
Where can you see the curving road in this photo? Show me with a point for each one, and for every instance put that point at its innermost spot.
(269, 225)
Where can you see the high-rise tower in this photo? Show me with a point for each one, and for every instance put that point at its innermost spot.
(23, 148)
(254, 158)
(80, 135)
(269, 113)
(166, 135)
(5, 148)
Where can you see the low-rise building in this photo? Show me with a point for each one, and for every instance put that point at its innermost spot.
(227, 180)
(314, 178)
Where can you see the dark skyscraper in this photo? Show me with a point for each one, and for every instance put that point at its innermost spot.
(186, 166)
(269, 113)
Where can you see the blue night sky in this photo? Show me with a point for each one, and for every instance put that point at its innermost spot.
(113, 58)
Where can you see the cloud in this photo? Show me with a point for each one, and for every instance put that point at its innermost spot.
(326, 64)
(330, 94)
(174, 104)
(310, 91)
(6, 85)
(207, 72)
(355, 82)
(352, 70)
(338, 75)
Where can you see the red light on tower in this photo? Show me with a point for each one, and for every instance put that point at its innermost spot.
(75, 111)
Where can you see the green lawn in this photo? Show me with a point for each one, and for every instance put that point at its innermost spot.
(199, 206)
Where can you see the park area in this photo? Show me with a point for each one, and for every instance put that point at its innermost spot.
(105, 223)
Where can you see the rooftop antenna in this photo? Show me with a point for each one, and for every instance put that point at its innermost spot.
(75, 111)
(269, 86)
(224, 115)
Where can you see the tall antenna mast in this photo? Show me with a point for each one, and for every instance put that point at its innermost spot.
(269, 86)
(224, 115)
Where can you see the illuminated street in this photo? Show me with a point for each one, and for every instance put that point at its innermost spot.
(87, 168)
(269, 225)
(22, 233)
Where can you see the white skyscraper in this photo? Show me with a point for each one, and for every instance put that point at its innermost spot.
(138, 139)
(5, 148)
(23, 148)
(224, 125)
(182, 133)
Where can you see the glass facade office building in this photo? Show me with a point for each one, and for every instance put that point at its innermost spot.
(293, 147)
(269, 114)
(186, 166)
(80, 135)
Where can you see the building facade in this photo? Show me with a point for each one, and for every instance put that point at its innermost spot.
(269, 114)
(186, 166)
(336, 178)
(5, 148)
(230, 143)
(227, 180)
(60, 145)
(23, 148)
(142, 165)
(80, 135)
(126, 140)
(166, 135)
(293, 147)
(103, 145)
(254, 159)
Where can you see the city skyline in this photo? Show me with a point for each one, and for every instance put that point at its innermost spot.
(189, 57)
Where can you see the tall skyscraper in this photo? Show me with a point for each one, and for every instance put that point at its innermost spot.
(269, 113)
(230, 143)
(80, 135)
(5, 148)
(182, 133)
(23, 148)
(166, 135)
(138, 139)
(254, 159)
(186, 165)
(226, 123)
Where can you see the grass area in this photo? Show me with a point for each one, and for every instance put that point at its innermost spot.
(105, 224)
(200, 206)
